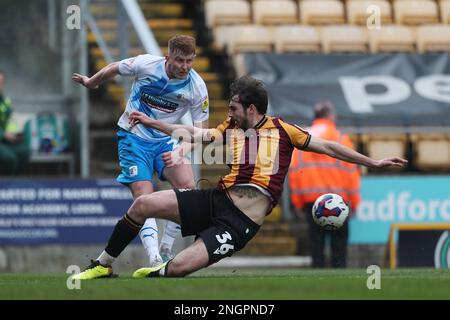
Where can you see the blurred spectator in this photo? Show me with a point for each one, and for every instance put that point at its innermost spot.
(312, 175)
(14, 153)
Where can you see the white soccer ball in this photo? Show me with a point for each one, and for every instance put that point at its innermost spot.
(330, 211)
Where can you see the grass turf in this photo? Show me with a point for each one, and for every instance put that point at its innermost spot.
(240, 284)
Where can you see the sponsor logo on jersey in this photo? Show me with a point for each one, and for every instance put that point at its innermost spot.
(158, 103)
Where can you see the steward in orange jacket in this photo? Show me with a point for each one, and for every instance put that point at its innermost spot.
(312, 174)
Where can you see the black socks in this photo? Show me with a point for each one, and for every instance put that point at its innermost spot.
(124, 232)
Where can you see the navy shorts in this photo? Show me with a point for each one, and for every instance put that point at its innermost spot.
(212, 216)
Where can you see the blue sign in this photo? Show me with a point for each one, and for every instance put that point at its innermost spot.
(60, 211)
(398, 199)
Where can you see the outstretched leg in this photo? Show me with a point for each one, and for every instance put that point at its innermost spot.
(162, 204)
(189, 260)
(180, 177)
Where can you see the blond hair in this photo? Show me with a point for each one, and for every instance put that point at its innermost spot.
(181, 43)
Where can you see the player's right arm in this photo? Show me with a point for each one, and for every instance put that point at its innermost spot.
(107, 73)
(131, 67)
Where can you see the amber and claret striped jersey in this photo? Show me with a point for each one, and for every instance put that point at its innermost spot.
(261, 155)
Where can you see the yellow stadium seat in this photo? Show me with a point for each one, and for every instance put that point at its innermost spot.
(322, 12)
(221, 35)
(385, 145)
(249, 38)
(392, 38)
(431, 151)
(357, 11)
(219, 12)
(445, 11)
(275, 12)
(413, 12)
(433, 38)
(296, 38)
(345, 38)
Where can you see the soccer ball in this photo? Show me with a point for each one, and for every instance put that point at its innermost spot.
(330, 211)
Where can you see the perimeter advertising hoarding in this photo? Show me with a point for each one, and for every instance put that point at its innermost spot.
(60, 211)
(398, 199)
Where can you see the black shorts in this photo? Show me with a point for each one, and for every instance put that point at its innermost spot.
(212, 216)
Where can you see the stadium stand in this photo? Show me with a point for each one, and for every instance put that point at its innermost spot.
(398, 37)
(357, 11)
(249, 38)
(220, 12)
(322, 12)
(431, 151)
(432, 38)
(445, 11)
(381, 145)
(412, 12)
(345, 38)
(392, 38)
(296, 38)
(274, 12)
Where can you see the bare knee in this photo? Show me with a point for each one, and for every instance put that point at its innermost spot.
(186, 184)
(139, 210)
(178, 269)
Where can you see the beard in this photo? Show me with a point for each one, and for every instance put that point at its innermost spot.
(243, 124)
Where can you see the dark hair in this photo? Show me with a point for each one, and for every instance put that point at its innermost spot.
(323, 109)
(250, 91)
(182, 43)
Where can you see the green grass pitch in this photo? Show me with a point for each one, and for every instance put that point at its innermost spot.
(239, 284)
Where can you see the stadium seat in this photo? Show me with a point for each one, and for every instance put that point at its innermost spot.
(275, 12)
(357, 11)
(431, 151)
(445, 11)
(220, 36)
(219, 12)
(343, 39)
(296, 38)
(249, 38)
(384, 145)
(392, 38)
(433, 38)
(320, 12)
(413, 12)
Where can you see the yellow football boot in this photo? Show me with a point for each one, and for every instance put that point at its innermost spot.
(94, 271)
(149, 272)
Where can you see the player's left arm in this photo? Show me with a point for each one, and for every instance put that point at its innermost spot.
(339, 151)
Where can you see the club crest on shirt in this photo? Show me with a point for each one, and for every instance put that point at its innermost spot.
(133, 171)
